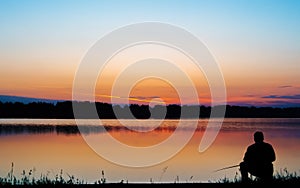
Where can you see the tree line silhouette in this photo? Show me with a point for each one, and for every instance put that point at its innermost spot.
(64, 110)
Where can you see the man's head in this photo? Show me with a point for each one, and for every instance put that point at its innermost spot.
(258, 136)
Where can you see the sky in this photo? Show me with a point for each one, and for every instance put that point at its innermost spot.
(256, 44)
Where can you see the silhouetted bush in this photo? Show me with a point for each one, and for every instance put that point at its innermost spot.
(64, 110)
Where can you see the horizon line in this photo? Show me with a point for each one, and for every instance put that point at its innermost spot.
(129, 98)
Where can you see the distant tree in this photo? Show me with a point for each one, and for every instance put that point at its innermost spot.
(108, 111)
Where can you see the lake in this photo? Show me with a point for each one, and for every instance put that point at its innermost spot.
(51, 145)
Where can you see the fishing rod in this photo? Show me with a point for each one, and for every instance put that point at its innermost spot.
(227, 168)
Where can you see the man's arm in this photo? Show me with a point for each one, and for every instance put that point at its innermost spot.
(272, 156)
(246, 155)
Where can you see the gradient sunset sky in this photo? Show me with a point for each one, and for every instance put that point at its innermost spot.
(256, 43)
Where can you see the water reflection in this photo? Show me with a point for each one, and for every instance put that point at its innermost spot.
(72, 129)
(69, 126)
(52, 145)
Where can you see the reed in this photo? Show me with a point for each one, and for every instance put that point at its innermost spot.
(283, 176)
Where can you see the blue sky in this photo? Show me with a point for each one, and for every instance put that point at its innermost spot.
(246, 37)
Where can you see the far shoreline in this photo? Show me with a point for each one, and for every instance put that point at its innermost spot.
(98, 110)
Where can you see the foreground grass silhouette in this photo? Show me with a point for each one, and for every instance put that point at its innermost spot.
(282, 178)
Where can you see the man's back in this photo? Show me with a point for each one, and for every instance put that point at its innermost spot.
(258, 159)
(260, 153)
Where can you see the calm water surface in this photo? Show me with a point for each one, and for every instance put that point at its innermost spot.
(49, 145)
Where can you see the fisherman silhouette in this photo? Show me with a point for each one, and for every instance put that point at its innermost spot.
(258, 160)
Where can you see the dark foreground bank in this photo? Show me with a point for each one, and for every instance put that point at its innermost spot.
(282, 178)
(198, 185)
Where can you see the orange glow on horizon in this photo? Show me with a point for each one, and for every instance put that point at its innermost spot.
(57, 82)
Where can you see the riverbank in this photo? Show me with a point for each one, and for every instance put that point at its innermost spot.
(198, 185)
(287, 180)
